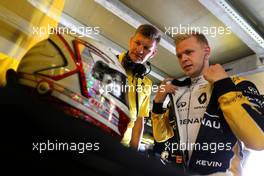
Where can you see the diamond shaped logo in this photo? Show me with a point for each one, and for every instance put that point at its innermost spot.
(202, 98)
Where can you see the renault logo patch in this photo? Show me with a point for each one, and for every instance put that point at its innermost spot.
(202, 98)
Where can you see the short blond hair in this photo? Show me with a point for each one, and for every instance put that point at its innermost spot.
(149, 31)
(199, 37)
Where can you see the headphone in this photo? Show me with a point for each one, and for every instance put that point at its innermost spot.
(138, 70)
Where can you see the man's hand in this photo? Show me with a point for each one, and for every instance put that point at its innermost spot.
(165, 88)
(214, 73)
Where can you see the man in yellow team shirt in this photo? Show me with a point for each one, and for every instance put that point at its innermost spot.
(142, 46)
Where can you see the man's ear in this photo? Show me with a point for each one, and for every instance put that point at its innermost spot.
(207, 51)
(130, 41)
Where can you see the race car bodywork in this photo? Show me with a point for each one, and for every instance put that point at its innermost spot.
(83, 75)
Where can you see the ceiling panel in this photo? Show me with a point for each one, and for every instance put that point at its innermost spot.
(225, 48)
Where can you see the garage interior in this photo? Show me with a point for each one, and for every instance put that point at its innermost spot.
(235, 30)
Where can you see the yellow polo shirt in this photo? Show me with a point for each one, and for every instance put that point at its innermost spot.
(141, 88)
